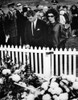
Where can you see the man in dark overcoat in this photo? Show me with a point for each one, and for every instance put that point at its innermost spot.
(2, 30)
(11, 26)
(20, 23)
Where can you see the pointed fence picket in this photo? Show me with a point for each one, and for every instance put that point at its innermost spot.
(45, 61)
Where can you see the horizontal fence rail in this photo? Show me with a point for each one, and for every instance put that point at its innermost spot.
(45, 61)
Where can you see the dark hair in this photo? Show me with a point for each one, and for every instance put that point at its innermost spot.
(65, 7)
(74, 9)
(24, 9)
(54, 12)
(30, 13)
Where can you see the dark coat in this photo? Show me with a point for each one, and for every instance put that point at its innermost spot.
(74, 23)
(20, 26)
(39, 37)
(2, 34)
(55, 35)
(11, 28)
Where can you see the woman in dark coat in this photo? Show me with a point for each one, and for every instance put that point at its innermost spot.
(55, 34)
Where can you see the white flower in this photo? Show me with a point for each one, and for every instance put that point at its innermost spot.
(37, 92)
(42, 92)
(46, 97)
(1, 80)
(24, 95)
(54, 79)
(32, 89)
(6, 71)
(17, 71)
(52, 91)
(45, 85)
(54, 85)
(15, 77)
(64, 76)
(16, 66)
(30, 97)
(23, 67)
(58, 90)
(71, 78)
(75, 85)
(55, 97)
(63, 96)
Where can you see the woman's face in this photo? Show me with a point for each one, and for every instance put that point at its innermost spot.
(51, 17)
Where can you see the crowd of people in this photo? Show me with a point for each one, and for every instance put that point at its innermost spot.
(41, 25)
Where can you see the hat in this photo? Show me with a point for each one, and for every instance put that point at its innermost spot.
(19, 4)
(11, 4)
(54, 1)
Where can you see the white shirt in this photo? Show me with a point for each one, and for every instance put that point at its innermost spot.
(35, 23)
(33, 26)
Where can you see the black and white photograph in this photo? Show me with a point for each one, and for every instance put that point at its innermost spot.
(38, 49)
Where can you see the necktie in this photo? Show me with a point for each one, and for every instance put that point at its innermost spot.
(32, 28)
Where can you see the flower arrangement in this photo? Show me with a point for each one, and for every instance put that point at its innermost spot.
(19, 82)
(16, 79)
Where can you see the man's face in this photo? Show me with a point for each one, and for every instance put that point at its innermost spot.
(32, 18)
(19, 8)
(11, 8)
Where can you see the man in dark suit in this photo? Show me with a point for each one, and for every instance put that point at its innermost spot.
(36, 35)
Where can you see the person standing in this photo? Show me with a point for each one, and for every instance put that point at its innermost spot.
(55, 34)
(35, 30)
(74, 20)
(2, 30)
(20, 23)
(11, 26)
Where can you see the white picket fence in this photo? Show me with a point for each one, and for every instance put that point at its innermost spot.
(45, 61)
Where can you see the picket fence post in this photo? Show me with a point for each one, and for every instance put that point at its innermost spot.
(74, 64)
(45, 61)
